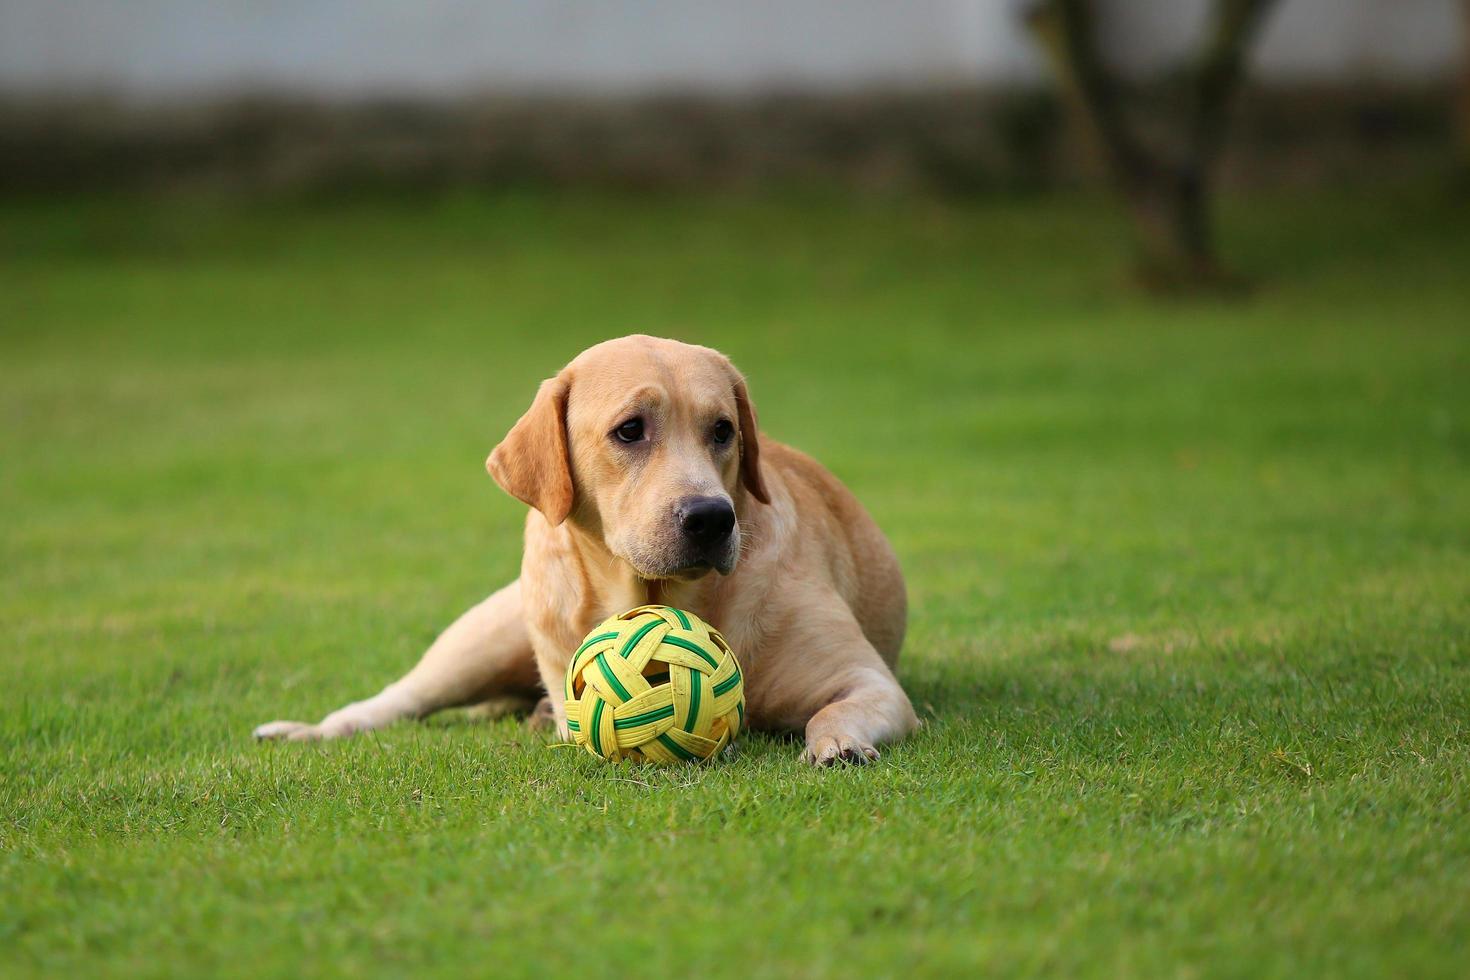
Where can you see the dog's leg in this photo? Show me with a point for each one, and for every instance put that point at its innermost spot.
(483, 654)
(826, 676)
(869, 710)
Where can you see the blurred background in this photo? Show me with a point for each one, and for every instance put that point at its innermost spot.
(959, 97)
(955, 95)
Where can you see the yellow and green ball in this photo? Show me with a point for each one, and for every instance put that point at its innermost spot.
(654, 684)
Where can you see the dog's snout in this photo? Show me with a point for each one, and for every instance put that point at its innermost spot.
(706, 520)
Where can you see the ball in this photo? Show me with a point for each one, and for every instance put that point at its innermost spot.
(654, 684)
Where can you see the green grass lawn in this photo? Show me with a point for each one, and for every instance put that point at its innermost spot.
(1190, 591)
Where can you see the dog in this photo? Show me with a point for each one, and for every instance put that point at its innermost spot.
(649, 482)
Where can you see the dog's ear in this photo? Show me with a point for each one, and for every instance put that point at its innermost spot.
(750, 444)
(532, 462)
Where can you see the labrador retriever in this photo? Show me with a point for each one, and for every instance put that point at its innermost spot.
(650, 483)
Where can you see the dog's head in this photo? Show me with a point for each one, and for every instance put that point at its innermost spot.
(647, 444)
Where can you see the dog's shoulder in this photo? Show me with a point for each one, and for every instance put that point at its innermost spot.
(805, 477)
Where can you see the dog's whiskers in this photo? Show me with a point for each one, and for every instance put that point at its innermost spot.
(749, 539)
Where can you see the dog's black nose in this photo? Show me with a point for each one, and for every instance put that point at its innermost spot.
(706, 520)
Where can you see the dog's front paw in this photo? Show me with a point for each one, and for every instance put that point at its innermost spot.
(359, 716)
(338, 725)
(287, 731)
(830, 750)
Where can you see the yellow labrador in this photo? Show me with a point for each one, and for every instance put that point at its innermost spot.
(646, 473)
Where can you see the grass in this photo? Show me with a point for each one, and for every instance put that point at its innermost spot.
(1189, 586)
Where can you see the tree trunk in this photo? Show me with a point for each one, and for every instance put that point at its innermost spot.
(1462, 128)
(1173, 232)
(1167, 195)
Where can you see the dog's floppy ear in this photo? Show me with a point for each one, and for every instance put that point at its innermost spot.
(532, 462)
(750, 444)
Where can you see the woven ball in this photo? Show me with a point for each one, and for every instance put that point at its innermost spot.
(656, 684)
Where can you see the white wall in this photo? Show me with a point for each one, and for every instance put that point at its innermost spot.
(1307, 39)
(181, 49)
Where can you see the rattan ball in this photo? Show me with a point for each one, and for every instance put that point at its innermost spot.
(654, 684)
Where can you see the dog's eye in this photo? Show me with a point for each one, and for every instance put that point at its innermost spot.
(629, 431)
(723, 431)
